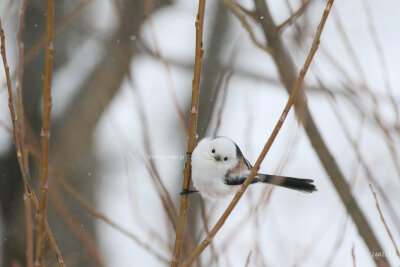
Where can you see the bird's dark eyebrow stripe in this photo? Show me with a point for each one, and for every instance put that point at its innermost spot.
(238, 152)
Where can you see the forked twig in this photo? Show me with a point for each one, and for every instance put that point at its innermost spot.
(269, 143)
(237, 11)
(290, 20)
(384, 222)
(192, 134)
(45, 135)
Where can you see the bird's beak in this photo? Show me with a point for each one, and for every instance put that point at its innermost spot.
(217, 158)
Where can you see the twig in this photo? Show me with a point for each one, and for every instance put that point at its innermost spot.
(151, 167)
(353, 255)
(76, 228)
(250, 13)
(270, 141)
(354, 143)
(7, 10)
(236, 10)
(289, 20)
(382, 61)
(204, 218)
(85, 204)
(45, 134)
(248, 259)
(223, 103)
(376, 111)
(384, 221)
(192, 134)
(6, 128)
(171, 89)
(21, 126)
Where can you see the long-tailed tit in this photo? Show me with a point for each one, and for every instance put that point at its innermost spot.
(219, 168)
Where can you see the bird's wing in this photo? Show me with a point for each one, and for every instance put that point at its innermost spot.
(240, 156)
(238, 180)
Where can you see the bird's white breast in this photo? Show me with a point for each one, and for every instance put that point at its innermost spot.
(209, 179)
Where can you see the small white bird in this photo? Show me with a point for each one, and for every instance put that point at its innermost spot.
(219, 168)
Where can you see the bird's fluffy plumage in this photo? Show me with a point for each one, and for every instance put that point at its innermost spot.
(219, 168)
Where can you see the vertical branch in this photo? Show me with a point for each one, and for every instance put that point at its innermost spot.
(192, 134)
(384, 222)
(21, 125)
(269, 143)
(45, 134)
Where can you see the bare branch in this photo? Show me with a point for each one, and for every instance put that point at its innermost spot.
(21, 126)
(248, 259)
(294, 16)
(384, 222)
(192, 134)
(171, 89)
(236, 10)
(45, 134)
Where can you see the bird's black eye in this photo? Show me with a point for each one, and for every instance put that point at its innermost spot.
(213, 151)
(226, 158)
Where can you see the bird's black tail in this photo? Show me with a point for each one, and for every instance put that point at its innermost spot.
(303, 185)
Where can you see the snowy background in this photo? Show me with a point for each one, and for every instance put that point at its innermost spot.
(279, 227)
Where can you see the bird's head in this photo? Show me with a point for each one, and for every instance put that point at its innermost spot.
(219, 152)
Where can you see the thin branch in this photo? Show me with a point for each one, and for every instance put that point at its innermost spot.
(6, 128)
(21, 126)
(95, 213)
(7, 10)
(192, 134)
(384, 222)
(84, 237)
(204, 218)
(270, 141)
(382, 61)
(353, 255)
(151, 167)
(223, 103)
(248, 259)
(237, 11)
(25, 174)
(350, 93)
(250, 13)
(353, 142)
(294, 16)
(60, 26)
(377, 115)
(171, 89)
(45, 134)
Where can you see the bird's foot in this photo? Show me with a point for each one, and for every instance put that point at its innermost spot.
(187, 192)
